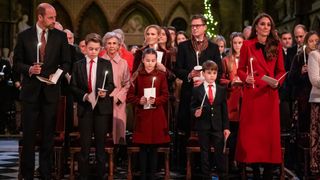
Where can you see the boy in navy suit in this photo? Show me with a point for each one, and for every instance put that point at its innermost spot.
(209, 106)
(91, 83)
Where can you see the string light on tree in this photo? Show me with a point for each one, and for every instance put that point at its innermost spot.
(211, 23)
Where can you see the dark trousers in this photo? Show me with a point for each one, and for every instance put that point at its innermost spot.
(92, 122)
(205, 139)
(148, 157)
(33, 115)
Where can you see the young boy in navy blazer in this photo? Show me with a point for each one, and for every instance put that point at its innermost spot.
(209, 106)
(88, 78)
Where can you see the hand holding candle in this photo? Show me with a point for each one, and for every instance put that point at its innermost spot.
(304, 54)
(104, 80)
(251, 68)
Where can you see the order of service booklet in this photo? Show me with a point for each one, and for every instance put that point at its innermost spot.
(272, 81)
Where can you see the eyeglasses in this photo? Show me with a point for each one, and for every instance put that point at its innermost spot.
(196, 25)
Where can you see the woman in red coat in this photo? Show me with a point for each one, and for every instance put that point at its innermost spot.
(259, 128)
(151, 127)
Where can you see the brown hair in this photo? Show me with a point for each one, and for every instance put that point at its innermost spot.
(231, 55)
(272, 42)
(93, 37)
(209, 65)
(199, 16)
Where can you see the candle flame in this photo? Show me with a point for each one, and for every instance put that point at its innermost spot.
(251, 59)
(154, 78)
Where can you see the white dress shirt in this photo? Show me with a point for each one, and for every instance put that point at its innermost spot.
(206, 88)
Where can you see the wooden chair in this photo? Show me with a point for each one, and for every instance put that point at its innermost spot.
(135, 149)
(194, 147)
(58, 140)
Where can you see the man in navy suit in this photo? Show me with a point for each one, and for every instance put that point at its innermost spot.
(39, 99)
(209, 106)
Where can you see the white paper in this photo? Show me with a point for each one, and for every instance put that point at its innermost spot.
(272, 81)
(92, 99)
(149, 92)
(53, 79)
(159, 56)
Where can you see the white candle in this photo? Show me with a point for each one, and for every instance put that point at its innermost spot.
(304, 54)
(4, 66)
(104, 79)
(153, 79)
(204, 97)
(197, 56)
(38, 49)
(251, 67)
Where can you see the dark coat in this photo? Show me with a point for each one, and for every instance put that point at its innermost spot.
(214, 117)
(151, 126)
(185, 62)
(79, 86)
(57, 55)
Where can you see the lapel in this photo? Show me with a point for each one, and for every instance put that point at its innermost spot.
(83, 71)
(34, 38)
(99, 74)
(258, 58)
(49, 44)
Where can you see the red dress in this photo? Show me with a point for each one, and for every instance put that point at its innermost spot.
(151, 125)
(259, 126)
(234, 91)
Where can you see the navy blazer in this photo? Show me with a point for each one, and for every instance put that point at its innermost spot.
(79, 85)
(57, 55)
(214, 117)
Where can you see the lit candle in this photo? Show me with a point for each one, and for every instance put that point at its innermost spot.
(304, 54)
(38, 49)
(197, 56)
(104, 79)
(204, 97)
(153, 79)
(4, 66)
(2, 73)
(251, 67)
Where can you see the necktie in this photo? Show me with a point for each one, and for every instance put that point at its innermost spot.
(210, 94)
(43, 45)
(89, 78)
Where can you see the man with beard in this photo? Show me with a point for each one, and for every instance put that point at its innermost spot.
(39, 99)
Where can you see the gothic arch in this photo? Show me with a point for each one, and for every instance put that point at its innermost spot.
(63, 16)
(315, 23)
(171, 13)
(140, 8)
(91, 19)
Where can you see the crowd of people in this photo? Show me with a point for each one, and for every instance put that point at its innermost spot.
(167, 90)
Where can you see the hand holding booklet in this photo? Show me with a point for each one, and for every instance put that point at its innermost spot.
(53, 79)
(271, 81)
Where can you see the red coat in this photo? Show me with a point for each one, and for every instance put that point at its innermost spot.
(259, 126)
(151, 125)
(229, 74)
